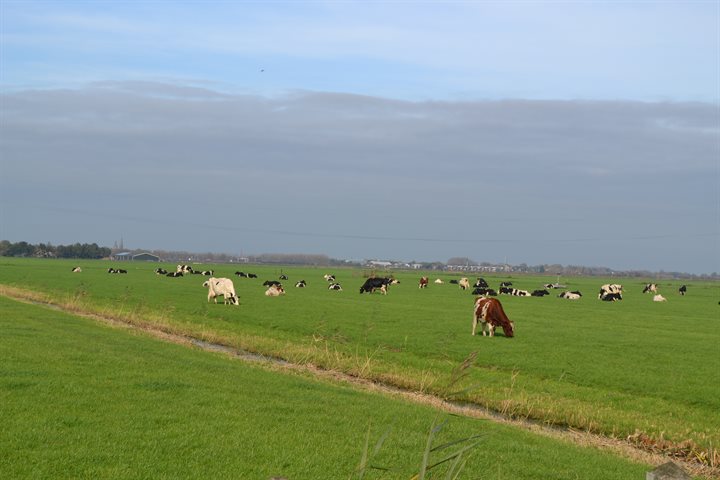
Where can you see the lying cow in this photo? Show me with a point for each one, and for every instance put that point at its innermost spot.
(329, 278)
(301, 284)
(184, 269)
(485, 291)
(438, 281)
(335, 286)
(160, 271)
(539, 293)
(275, 290)
(489, 312)
(481, 283)
(76, 270)
(571, 295)
(174, 274)
(659, 298)
(221, 287)
(610, 289)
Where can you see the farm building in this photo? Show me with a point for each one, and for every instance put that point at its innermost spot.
(147, 257)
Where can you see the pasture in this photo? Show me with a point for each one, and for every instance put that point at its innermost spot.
(618, 368)
(85, 400)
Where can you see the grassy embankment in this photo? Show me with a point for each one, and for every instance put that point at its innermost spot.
(85, 400)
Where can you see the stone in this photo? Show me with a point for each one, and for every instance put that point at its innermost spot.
(668, 471)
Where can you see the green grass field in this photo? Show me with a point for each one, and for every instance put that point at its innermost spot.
(84, 400)
(612, 368)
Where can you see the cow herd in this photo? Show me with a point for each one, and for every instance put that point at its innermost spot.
(487, 311)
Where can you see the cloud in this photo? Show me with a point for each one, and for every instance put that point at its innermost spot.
(335, 168)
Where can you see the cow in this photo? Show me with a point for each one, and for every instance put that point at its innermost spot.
(539, 293)
(184, 269)
(485, 291)
(394, 281)
(454, 282)
(611, 297)
(283, 277)
(336, 286)
(76, 270)
(174, 274)
(241, 274)
(160, 271)
(481, 283)
(251, 275)
(682, 290)
(112, 270)
(505, 291)
(506, 284)
(519, 293)
(221, 287)
(650, 287)
(438, 281)
(275, 290)
(464, 283)
(489, 312)
(372, 284)
(301, 284)
(270, 283)
(659, 298)
(116, 270)
(423, 282)
(570, 295)
(329, 278)
(611, 289)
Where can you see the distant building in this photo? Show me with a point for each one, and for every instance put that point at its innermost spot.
(121, 256)
(146, 257)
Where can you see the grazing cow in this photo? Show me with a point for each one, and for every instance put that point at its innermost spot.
(184, 269)
(481, 283)
(570, 295)
(464, 283)
(489, 312)
(174, 274)
(76, 270)
(336, 286)
(611, 289)
(423, 282)
(650, 287)
(485, 291)
(682, 290)
(438, 281)
(372, 284)
(611, 297)
(301, 284)
(221, 287)
(270, 283)
(160, 271)
(329, 278)
(275, 290)
(659, 298)
(539, 293)
(506, 284)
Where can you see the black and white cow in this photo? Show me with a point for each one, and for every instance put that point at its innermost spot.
(301, 284)
(481, 283)
(372, 284)
(283, 277)
(174, 274)
(160, 271)
(539, 293)
(184, 269)
(330, 278)
(76, 270)
(485, 291)
(335, 286)
(571, 295)
(610, 289)
(682, 290)
(611, 297)
(650, 287)
(268, 283)
(506, 284)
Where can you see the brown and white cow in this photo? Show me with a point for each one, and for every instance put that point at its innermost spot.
(489, 312)
(423, 282)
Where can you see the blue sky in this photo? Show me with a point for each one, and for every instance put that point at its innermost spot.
(541, 132)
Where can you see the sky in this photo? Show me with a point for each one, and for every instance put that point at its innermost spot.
(538, 132)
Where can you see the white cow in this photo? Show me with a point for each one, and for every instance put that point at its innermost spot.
(76, 270)
(659, 298)
(221, 287)
(274, 291)
(438, 281)
(464, 283)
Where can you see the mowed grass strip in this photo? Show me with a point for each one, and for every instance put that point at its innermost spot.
(611, 368)
(85, 400)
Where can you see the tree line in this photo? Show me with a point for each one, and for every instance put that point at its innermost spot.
(46, 250)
